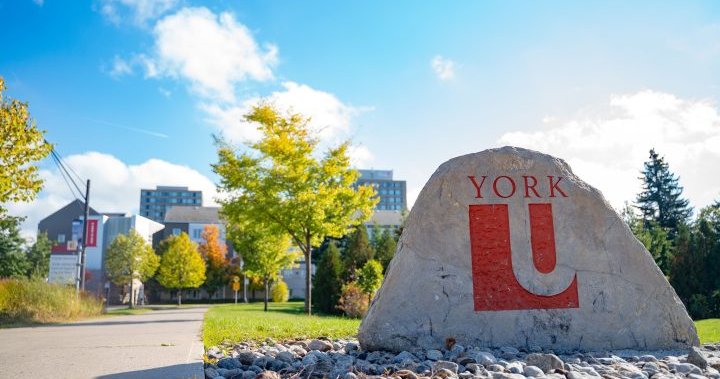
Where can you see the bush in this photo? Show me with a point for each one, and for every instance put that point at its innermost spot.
(34, 300)
(353, 301)
(280, 292)
(699, 307)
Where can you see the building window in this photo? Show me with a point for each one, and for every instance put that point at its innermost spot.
(61, 238)
(176, 231)
(196, 233)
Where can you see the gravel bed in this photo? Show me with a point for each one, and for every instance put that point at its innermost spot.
(344, 359)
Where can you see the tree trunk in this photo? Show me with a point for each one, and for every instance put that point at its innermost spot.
(130, 303)
(179, 298)
(308, 275)
(267, 289)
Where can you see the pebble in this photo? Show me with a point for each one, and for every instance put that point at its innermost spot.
(345, 359)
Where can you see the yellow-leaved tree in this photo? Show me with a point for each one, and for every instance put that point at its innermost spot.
(181, 265)
(280, 181)
(130, 257)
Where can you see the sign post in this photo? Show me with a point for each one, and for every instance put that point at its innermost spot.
(235, 286)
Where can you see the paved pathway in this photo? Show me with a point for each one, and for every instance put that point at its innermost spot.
(158, 344)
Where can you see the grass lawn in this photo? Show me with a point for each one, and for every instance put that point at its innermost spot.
(248, 322)
(708, 330)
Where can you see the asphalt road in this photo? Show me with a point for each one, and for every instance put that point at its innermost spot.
(158, 344)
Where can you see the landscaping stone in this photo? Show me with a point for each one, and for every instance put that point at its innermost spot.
(696, 357)
(584, 283)
(320, 345)
(545, 362)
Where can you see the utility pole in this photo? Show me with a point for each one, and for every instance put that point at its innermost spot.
(84, 235)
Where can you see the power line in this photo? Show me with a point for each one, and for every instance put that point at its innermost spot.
(65, 169)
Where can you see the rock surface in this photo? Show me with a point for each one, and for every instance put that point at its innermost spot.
(342, 362)
(507, 247)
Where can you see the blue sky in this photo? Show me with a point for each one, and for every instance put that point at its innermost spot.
(132, 90)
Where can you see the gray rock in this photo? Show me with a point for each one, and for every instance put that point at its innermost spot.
(247, 357)
(404, 356)
(350, 347)
(229, 363)
(268, 375)
(484, 358)
(249, 375)
(648, 358)
(533, 371)
(350, 375)
(696, 357)
(320, 345)
(452, 366)
(496, 368)
(211, 373)
(444, 373)
(696, 376)
(514, 368)
(434, 355)
(546, 362)
(504, 375)
(684, 368)
(285, 356)
(603, 281)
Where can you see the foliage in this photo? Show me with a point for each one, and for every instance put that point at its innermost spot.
(265, 252)
(357, 252)
(280, 181)
(129, 257)
(353, 302)
(217, 265)
(21, 144)
(708, 330)
(35, 301)
(327, 283)
(283, 322)
(661, 198)
(13, 261)
(181, 265)
(370, 277)
(657, 242)
(280, 292)
(38, 256)
(385, 248)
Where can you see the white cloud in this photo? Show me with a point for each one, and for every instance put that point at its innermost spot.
(139, 10)
(444, 68)
(607, 147)
(120, 67)
(39, 2)
(212, 51)
(115, 186)
(360, 156)
(328, 115)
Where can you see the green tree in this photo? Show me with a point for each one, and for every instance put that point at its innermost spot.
(357, 252)
(38, 256)
(657, 242)
(130, 257)
(280, 291)
(661, 198)
(217, 266)
(265, 252)
(181, 265)
(280, 181)
(385, 249)
(370, 278)
(13, 261)
(21, 144)
(327, 283)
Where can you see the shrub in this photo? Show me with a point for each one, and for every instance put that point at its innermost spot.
(280, 292)
(698, 307)
(34, 300)
(353, 301)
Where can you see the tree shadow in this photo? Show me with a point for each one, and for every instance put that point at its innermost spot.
(180, 371)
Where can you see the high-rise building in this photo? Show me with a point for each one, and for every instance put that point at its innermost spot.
(154, 203)
(392, 193)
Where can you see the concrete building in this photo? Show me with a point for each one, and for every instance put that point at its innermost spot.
(154, 203)
(192, 220)
(392, 193)
(384, 220)
(64, 228)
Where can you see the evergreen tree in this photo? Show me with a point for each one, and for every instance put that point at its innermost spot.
(686, 266)
(661, 198)
(357, 252)
(39, 257)
(13, 261)
(385, 249)
(327, 283)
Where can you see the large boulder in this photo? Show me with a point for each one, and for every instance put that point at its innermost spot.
(507, 247)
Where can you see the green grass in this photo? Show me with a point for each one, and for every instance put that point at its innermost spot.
(127, 311)
(32, 301)
(708, 330)
(283, 321)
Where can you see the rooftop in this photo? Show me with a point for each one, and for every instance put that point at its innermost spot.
(193, 214)
(382, 217)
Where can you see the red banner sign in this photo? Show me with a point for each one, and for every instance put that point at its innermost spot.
(92, 230)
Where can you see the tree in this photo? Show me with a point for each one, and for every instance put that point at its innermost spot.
(265, 252)
(357, 252)
(280, 291)
(38, 256)
(181, 265)
(661, 198)
(13, 261)
(385, 249)
(327, 283)
(280, 181)
(216, 262)
(21, 144)
(130, 257)
(657, 242)
(370, 278)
